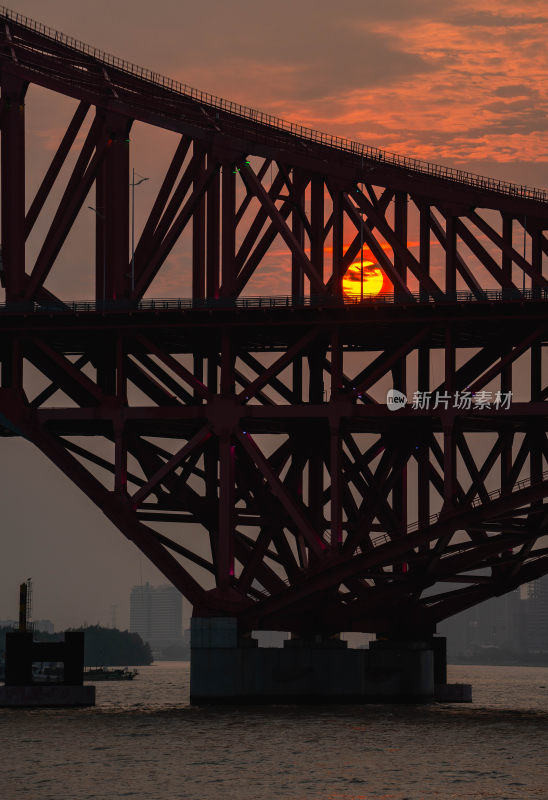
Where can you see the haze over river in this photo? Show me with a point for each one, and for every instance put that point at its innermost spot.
(143, 741)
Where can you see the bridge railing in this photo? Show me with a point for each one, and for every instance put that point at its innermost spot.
(477, 501)
(278, 301)
(384, 538)
(302, 132)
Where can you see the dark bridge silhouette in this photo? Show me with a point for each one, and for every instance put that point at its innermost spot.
(242, 442)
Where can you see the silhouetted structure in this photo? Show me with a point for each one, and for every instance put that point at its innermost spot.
(45, 673)
(22, 652)
(260, 424)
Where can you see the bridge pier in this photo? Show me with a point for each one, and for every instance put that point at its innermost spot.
(228, 669)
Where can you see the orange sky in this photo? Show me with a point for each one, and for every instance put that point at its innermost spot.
(462, 82)
(458, 81)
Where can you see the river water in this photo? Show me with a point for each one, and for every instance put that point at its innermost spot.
(143, 741)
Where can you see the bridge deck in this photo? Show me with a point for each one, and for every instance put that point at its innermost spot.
(487, 296)
(271, 324)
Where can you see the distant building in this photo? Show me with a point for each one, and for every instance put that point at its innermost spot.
(495, 623)
(44, 625)
(156, 614)
(534, 616)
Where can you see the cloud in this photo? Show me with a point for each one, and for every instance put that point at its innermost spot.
(489, 19)
(515, 90)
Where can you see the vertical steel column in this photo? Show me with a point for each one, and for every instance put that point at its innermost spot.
(315, 462)
(424, 247)
(542, 244)
(105, 360)
(507, 235)
(297, 227)
(120, 458)
(116, 180)
(13, 186)
(121, 377)
(536, 256)
(336, 488)
(506, 434)
(199, 236)
(399, 491)
(213, 204)
(400, 228)
(12, 364)
(111, 253)
(199, 254)
(338, 243)
(100, 236)
(211, 450)
(451, 256)
(317, 223)
(225, 545)
(399, 372)
(225, 557)
(335, 443)
(535, 425)
(423, 459)
(448, 423)
(228, 233)
(297, 277)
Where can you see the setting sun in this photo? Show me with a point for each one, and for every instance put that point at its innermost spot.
(373, 279)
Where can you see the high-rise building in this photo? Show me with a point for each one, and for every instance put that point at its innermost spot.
(495, 623)
(534, 617)
(156, 614)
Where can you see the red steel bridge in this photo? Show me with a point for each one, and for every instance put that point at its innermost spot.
(243, 442)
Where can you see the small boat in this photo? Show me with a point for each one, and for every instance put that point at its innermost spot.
(46, 672)
(109, 674)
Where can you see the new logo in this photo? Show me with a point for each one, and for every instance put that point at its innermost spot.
(395, 400)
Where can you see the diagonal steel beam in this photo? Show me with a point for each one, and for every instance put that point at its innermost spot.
(278, 365)
(83, 175)
(400, 249)
(278, 489)
(255, 186)
(507, 249)
(55, 166)
(162, 250)
(114, 506)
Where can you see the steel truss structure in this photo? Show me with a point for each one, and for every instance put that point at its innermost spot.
(248, 449)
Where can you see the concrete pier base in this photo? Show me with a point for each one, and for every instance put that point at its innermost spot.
(226, 669)
(24, 689)
(46, 696)
(453, 693)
